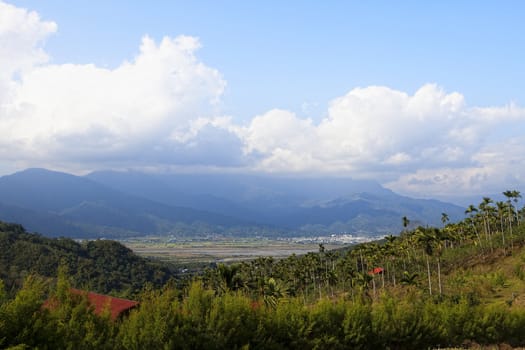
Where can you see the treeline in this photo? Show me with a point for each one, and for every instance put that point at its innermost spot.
(425, 257)
(103, 266)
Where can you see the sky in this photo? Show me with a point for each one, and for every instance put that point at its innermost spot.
(424, 97)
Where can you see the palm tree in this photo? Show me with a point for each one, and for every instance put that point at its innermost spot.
(391, 252)
(426, 239)
(409, 279)
(273, 291)
(444, 219)
(406, 222)
(471, 210)
(439, 237)
(345, 268)
(512, 195)
(516, 195)
(361, 281)
(229, 277)
(485, 211)
(512, 212)
(501, 207)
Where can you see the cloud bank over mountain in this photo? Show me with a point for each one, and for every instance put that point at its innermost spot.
(161, 109)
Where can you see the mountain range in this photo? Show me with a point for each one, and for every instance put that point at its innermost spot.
(129, 203)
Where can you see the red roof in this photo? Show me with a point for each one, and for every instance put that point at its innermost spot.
(376, 271)
(101, 303)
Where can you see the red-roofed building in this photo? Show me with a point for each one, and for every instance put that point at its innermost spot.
(376, 271)
(100, 303)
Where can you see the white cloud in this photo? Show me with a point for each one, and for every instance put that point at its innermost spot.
(83, 111)
(162, 108)
(277, 129)
(21, 37)
(429, 142)
(497, 167)
(366, 128)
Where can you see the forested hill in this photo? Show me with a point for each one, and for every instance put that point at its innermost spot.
(102, 265)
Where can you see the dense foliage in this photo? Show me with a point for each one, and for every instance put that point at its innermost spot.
(429, 287)
(201, 319)
(101, 265)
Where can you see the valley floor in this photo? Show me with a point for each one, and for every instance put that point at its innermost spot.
(220, 250)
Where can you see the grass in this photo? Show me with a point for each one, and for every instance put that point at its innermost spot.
(497, 278)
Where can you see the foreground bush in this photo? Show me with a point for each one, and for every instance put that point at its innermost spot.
(200, 319)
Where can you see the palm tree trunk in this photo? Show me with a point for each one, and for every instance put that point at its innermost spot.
(394, 274)
(439, 276)
(429, 281)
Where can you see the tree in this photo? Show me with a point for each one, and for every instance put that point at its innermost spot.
(444, 219)
(486, 210)
(20, 319)
(430, 241)
(409, 279)
(406, 222)
(502, 209)
(361, 281)
(470, 211)
(229, 277)
(391, 251)
(273, 291)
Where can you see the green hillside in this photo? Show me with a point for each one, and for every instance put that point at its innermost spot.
(101, 265)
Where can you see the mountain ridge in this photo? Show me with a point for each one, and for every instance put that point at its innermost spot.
(121, 204)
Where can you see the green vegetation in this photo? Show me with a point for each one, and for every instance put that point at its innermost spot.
(103, 266)
(458, 285)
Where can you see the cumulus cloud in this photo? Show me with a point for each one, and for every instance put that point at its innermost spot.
(161, 108)
(22, 35)
(429, 142)
(84, 111)
(366, 128)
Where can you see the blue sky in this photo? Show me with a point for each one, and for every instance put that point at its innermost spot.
(283, 54)
(335, 87)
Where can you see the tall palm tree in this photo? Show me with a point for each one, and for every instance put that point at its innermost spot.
(406, 222)
(512, 195)
(471, 210)
(502, 209)
(409, 279)
(485, 211)
(516, 195)
(444, 219)
(391, 253)
(426, 239)
(361, 281)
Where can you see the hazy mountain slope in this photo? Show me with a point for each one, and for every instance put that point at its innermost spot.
(157, 188)
(378, 213)
(297, 204)
(98, 209)
(117, 204)
(49, 224)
